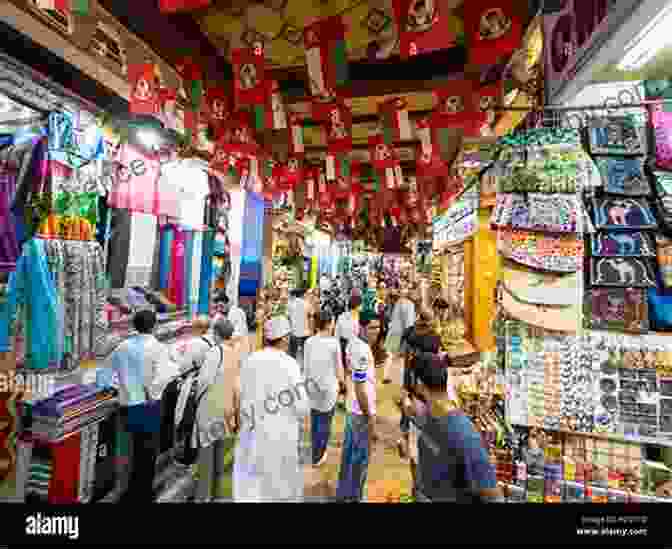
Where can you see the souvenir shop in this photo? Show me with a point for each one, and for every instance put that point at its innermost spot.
(108, 226)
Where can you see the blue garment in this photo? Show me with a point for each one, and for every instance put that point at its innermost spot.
(165, 249)
(320, 431)
(32, 287)
(188, 264)
(452, 463)
(206, 273)
(355, 459)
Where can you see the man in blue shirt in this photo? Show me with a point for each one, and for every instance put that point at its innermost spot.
(453, 466)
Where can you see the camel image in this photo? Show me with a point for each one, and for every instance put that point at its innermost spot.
(619, 211)
(626, 243)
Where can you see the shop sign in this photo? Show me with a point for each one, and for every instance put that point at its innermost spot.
(574, 34)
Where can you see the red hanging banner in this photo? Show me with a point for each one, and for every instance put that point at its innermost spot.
(396, 123)
(144, 89)
(326, 60)
(424, 26)
(338, 128)
(455, 103)
(175, 6)
(250, 86)
(493, 30)
(218, 108)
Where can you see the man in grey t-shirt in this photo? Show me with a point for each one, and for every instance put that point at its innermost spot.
(403, 317)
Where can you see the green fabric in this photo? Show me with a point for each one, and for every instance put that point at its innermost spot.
(82, 205)
(196, 94)
(388, 135)
(345, 166)
(340, 60)
(260, 117)
(80, 7)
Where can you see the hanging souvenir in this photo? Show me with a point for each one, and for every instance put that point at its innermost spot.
(192, 77)
(218, 108)
(487, 98)
(249, 78)
(144, 86)
(493, 31)
(455, 102)
(294, 172)
(168, 108)
(428, 161)
(175, 6)
(337, 166)
(424, 26)
(396, 123)
(384, 161)
(272, 115)
(311, 182)
(296, 141)
(79, 7)
(326, 57)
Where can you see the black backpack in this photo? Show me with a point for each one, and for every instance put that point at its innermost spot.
(186, 426)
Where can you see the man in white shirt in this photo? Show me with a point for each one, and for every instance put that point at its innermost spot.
(324, 370)
(403, 317)
(273, 401)
(143, 368)
(224, 308)
(360, 426)
(297, 310)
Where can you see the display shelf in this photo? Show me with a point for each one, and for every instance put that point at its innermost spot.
(599, 491)
(607, 436)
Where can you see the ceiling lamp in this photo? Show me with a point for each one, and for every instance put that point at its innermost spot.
(653, 38)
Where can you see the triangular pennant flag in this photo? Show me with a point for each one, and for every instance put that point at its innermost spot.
(326, 57)
(219, 108)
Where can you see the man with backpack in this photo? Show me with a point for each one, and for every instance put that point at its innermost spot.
(217, 405)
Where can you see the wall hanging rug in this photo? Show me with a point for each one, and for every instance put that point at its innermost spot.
(552, 169)
(664, 252)
(616, 136)
(624, 176)
(541, 288)
(663, 187)
(612, 212)
(538, 212)
(622, 272)
(557, 318)
(662, 130)
(615, 243)
(621, 309)
(660, 309)
(562, 253)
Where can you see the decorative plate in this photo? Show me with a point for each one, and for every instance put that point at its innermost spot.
(664, 252)
(562, 253)
(635, 244)
(616, 136)
(541, 288)
(557, 318)
(623, 213)
(621, 272)
(624, 176)
(623, 309)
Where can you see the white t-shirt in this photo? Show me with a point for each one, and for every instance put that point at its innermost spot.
(322, 364)
(346, 327)
(297, 309)
(403, 316)
(170, 189)
(239, 320)
(194, 189)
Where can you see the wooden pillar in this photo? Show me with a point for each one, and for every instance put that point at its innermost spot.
(484, 276)
(469, 286)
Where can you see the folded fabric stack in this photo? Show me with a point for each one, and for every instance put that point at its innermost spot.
(71, 409)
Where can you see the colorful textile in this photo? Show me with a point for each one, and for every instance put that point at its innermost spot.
(176, 285)
(165, 252)
(664, 251)
(355, 460)
(66, 228)
(624, 176)
(78, 273)
(135, 186)
(141, 249)
(188, 264)
(206, 273)
(32, 287)
(195, 285)
(622, 309)
(561, 252)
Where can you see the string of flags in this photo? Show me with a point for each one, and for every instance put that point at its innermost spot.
(240, 115)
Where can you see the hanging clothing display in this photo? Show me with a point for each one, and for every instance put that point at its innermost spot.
(131, 248)
(134, 185)
(33, 289)
(79, 276)
(206, 272)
